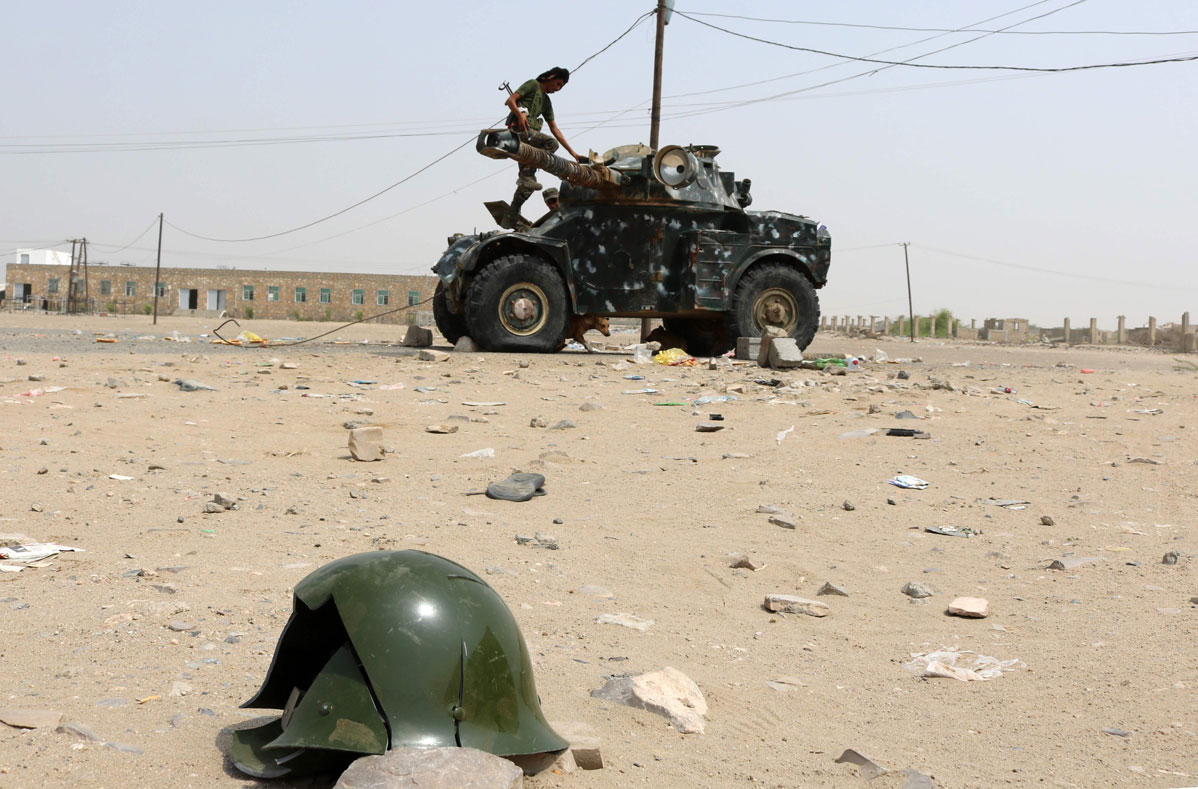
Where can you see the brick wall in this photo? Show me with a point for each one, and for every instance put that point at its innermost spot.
(130, 289)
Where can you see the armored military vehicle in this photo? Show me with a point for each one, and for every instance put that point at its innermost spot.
(639, 234)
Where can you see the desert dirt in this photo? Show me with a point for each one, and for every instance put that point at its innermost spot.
(1103, 693)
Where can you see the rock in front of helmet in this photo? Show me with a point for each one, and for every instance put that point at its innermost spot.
(392, 649)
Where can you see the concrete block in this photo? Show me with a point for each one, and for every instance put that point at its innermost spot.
(1189, 343)
(784, 352)
(417, 337)
(747, 347)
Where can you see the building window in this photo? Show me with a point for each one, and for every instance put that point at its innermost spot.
(272, 292)
(52, 286)
(105, 287)
(130, 288)
(247, 292)
(413, 297)
(383, 298)
(161, 289)
(358, 296)
(326, 295)
(24, 258)
(301, 295)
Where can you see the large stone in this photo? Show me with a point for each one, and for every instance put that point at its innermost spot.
(30, 719)
(768, 335)
(667, 692)
(917, 590)
(971, 607)
(748, 347)
(466, 345)
(366, 443)
(417, 337)
(785, 353)
(432, 768)
(789, 604)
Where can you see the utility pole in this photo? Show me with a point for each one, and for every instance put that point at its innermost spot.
(158, 269)
(910, 309)
(655, 113)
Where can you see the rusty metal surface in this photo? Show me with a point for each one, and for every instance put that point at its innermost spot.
(627, 244)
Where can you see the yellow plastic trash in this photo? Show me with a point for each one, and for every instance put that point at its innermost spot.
(671, 356)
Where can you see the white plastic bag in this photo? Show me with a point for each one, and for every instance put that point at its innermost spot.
(963, 665)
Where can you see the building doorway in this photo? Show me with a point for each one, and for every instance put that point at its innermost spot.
(216, 299)
(189, 298)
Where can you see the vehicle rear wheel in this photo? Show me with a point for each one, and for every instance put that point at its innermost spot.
(518, 303)
(703, 338)
(451, 326)
(774, 294)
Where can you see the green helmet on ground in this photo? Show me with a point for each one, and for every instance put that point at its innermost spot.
(393, 649)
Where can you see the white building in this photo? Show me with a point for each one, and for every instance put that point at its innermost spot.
(46, 257)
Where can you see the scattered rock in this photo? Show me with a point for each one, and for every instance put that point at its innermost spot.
(187, 385)
(440, 428)
(30, 719)
(784, 353)
(971, 607)
(667, 692)
(591, 405)
(848, 506)
(432, 768)
(1047, 520)
(917, 590)
(789, 604)
(1074, 562)
(584, 743)
(708, 427)
(80, 730)
(417, 337)
(869, 768)
(742, 562)
(768, 335)
(429, 355)
(1172, 557)
(564, 424)
(223, 501)
(538, 421)
(626, 620)
(366, 443)
(917, 780)
(830, 588)
(785, 520)
(179, 626)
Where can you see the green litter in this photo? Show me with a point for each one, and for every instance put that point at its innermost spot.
(671, 402)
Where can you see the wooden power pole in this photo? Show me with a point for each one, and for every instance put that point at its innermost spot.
(910, 309)
(158, 270)
(655, 113)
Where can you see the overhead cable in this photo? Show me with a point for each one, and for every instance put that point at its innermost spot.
(1054, 70)
(153, 222)
(610, 44)
(957, 30)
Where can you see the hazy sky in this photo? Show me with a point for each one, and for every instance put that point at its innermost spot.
(1091, 174)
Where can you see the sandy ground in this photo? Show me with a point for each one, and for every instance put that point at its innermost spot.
(650, 509)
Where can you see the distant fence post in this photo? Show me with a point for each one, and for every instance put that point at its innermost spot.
(1122, 330)
(1094, 331)
(886, 324)
(1151, 332)
(1068, 338)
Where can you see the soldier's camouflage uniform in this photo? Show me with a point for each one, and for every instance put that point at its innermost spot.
(538, 105)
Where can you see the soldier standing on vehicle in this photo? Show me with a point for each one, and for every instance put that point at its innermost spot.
(550, 196)
(528, 105)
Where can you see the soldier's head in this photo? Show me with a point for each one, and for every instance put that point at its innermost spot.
(550, 196)
(554, 79)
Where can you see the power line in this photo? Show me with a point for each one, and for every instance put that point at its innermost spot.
(970, 29)
(1070, 275)
(363, 201)
(639, 19)
(131, 243)
(1054, 70)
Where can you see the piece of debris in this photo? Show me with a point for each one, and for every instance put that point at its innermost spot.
(869, 768)
(970, 607)
(1046, 520)
(952, 531)
(520, 486)
(1172, 557)
(784, 433)
(193, 386)
(917, 780)
(963, 665)
(785, 520)
(830, 588)
(366, 443)
(488, 452)
(33, 552)
(432, 767)
(1009, 504)
(584, 743)
(441, 428)
(667, 692)
(789, 604)
(1074, 562)
(624, 620)
(708, 427)
(908, 481)
(741, 562)
(429, 355)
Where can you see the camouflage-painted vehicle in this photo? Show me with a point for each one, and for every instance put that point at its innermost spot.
(639, 234)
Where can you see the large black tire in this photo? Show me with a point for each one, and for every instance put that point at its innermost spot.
(773, 294)
(703, 338)
(451, 326)
(518, 303)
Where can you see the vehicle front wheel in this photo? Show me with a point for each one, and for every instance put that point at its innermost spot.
(451, 326)
(774, 294)
(518, 303)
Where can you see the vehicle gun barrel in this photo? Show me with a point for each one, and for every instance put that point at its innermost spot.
(505, 144)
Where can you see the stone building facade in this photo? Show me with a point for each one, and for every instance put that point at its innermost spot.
(281, 295)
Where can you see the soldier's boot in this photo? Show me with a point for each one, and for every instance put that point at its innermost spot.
(528, 179)
(512, 219)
